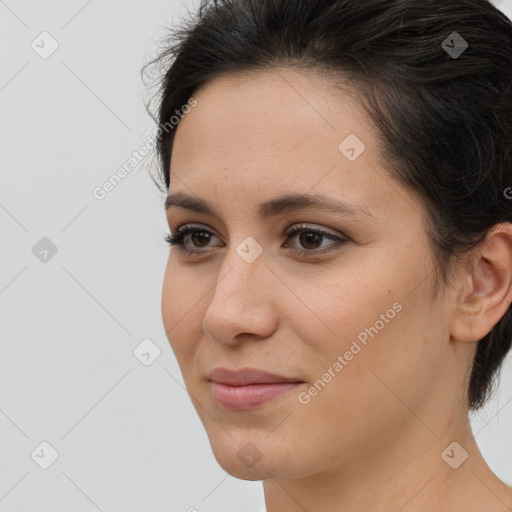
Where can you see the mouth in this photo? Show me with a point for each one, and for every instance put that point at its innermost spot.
(246, 389)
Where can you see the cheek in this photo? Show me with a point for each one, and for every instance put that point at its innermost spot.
(383, 358)
(376, 317)
(339, 304)
(180, 317)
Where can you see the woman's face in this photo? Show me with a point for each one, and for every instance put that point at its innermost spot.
(356, 325)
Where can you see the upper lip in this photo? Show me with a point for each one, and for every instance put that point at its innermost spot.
(246, 376)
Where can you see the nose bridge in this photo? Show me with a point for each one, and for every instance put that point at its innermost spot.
(240, 277)
(237, 304)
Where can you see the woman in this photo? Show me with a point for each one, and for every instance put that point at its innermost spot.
(338, 295)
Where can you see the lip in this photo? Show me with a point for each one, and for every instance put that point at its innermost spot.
(248, 388)
(247, 376)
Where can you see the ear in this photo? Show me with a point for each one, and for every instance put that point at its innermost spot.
(486, 286)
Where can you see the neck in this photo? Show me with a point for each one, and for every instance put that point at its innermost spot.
(406, 474)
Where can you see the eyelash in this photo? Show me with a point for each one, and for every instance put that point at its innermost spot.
(178, 239)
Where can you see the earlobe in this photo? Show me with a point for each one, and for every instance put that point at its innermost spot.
(487, 292)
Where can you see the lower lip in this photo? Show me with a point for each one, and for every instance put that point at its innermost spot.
(244, 398)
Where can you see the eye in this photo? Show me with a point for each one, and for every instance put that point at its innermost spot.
(307, 237)
(184, 232)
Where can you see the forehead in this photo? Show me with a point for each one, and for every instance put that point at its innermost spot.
(284, 108)
(262, 134)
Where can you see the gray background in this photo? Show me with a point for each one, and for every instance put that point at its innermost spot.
(126, 434)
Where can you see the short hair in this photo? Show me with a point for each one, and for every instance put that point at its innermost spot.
(435, 76)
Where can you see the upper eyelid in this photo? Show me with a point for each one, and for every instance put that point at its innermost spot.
(288, 232)
(291, 233)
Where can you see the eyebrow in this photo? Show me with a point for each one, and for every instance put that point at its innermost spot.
(274, 207)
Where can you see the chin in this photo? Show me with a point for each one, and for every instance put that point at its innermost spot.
(247, 458)
(237, 470)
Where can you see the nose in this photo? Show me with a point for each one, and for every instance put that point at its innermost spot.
(243, 303)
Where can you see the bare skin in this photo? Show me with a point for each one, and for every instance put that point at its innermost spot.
(377, 436)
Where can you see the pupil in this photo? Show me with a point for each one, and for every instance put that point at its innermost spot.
(311, 236)
(203, 236)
